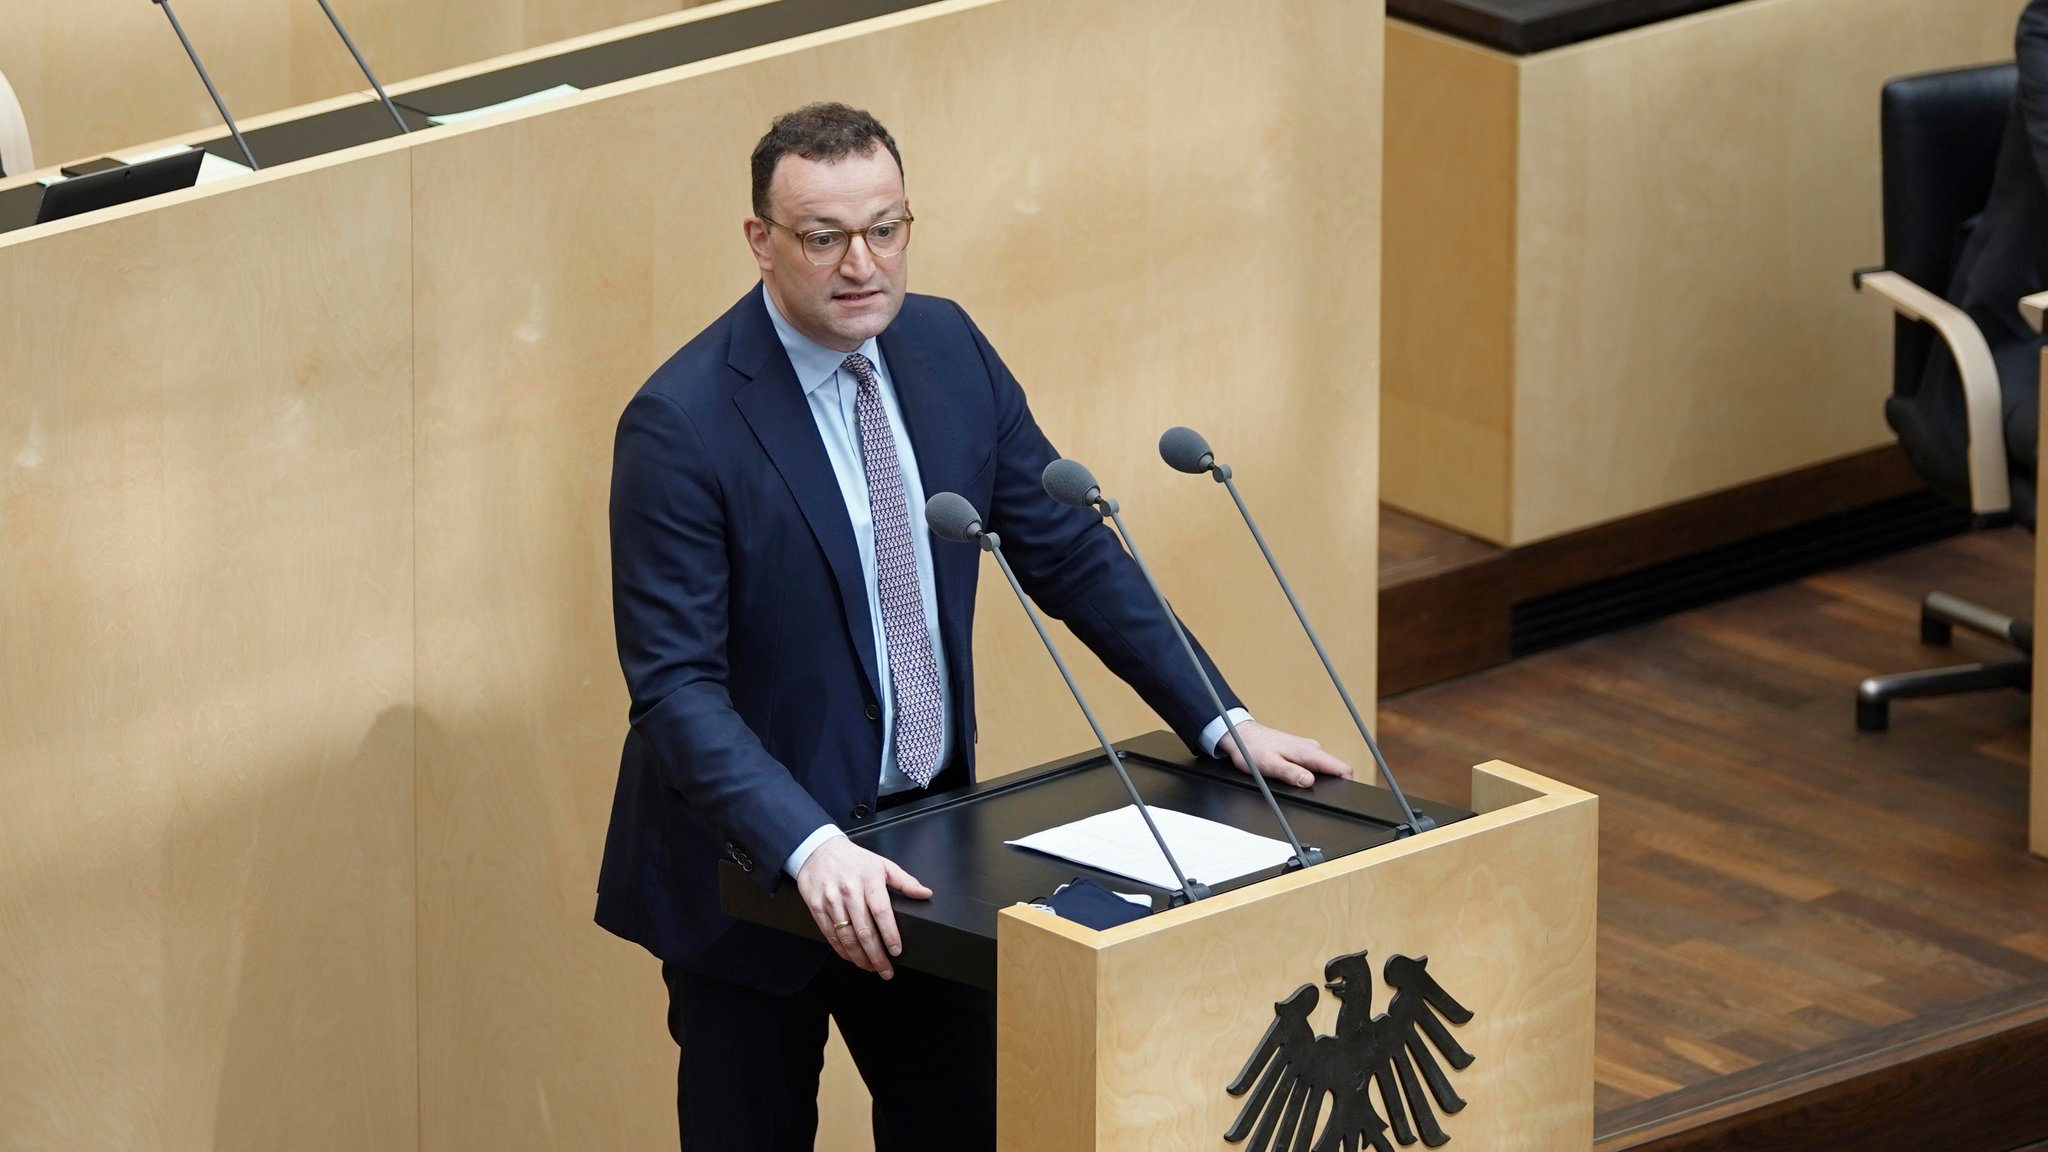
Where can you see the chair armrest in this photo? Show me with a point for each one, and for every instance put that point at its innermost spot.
(2033, 309)
(1990, 488)
(16, 158)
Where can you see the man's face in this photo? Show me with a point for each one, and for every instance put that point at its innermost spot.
(839, 305)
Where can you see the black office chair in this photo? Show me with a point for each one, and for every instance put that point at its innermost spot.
(1941, 134)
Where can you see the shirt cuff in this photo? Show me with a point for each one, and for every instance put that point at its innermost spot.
(1213, 734)
(795, 863)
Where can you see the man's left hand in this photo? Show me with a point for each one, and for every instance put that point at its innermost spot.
(1282, 756)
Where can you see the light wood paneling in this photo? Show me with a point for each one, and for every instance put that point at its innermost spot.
(1048, 981)
(1688, 200)
(1692, 196)
(1077, 251)
(97, 76)
(1161, 212)
(1499, 787)
(1165, 1011)
(1449, 291)
(2037, 789)
(206, 880)
(213, 522)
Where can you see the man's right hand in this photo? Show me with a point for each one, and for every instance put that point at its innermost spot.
(846, 887)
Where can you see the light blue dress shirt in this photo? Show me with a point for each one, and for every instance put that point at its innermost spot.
(832, 393)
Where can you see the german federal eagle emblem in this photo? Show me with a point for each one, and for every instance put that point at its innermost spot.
(1298, 1072)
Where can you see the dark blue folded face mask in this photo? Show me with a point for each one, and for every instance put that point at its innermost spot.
(1085, 902)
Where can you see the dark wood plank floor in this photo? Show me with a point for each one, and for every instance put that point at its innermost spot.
(1774, 883)
(1412, 549)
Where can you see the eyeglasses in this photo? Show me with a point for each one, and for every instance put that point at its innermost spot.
(827, 246)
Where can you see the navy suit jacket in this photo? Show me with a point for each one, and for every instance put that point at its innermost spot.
(742, 618)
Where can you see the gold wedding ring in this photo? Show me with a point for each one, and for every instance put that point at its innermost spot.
(841, 924)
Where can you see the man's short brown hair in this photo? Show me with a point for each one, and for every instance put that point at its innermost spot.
(821, 132)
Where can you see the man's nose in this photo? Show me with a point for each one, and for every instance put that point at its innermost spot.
(858, 263)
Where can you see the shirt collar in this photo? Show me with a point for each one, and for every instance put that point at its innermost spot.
(814, 363)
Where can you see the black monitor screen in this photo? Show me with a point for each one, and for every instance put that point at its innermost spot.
(119, 185)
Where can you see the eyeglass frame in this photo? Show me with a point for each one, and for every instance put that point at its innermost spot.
(849, 233)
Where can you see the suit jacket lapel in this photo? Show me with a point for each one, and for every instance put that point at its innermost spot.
(774, 406)
(927, 415)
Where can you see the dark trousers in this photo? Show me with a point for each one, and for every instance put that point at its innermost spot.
(748, 1078)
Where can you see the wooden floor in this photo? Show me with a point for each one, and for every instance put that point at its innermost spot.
(1776, 888)
(1414, 549)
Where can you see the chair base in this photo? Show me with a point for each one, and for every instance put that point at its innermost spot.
(1940, 615)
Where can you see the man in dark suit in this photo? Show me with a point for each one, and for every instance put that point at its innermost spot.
(797, 649)
(2004, 257)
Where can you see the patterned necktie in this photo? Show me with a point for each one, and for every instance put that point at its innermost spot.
(913, 671)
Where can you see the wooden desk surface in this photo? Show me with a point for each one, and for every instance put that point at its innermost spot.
(1525, 26)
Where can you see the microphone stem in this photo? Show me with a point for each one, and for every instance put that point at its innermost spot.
(1191, 890)
(1415, 823)
(1301, 859)
(210, 89)
(364, 65)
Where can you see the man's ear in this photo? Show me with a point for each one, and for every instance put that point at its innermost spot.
(759, 237)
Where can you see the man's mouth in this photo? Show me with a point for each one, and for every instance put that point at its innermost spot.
(857, 297)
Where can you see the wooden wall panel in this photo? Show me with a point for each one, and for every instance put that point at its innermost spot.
(1160, 211)
(1449, 295)
(2037, 779)
(1692, 198)
(206, 880)
(1686, 201)
(1253, 127)
(95, 76)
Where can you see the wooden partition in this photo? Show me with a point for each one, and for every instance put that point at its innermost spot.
(310, 706)
(206, 671)
(97, 76)
(2037, 780)
(1161, 212)
(1618, 271)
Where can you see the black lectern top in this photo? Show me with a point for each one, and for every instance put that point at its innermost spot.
(954, 842)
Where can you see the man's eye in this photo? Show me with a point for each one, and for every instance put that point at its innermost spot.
(884, 232)
(822, 241)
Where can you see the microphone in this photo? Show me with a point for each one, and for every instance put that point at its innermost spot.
(1070, 483)
(210, 89)
(1185, 450)
(952, 517)
(364, 65)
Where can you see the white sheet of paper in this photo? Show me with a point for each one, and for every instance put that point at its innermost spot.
(211, 168)
(515, 102)
(1119, 842)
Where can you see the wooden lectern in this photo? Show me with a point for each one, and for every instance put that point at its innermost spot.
(1128, 1038)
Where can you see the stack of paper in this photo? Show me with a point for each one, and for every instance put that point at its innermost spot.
(1119, 842)
(505, 105)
